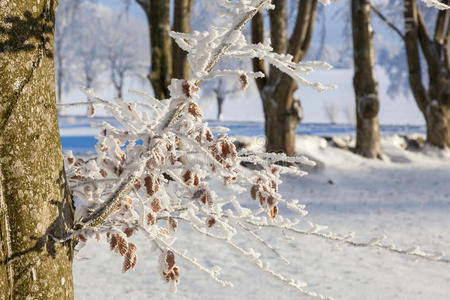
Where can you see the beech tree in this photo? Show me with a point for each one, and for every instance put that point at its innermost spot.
(35, 204)
(282, 111)
(364, 82)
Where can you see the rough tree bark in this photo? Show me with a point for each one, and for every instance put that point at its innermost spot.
(158, 17)
(434, 102)
(364, 82)
(167, 59)
(282, 111)
(181, 23)
(34, 200)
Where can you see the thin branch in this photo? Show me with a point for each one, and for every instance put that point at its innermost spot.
(386, 20)
(250, 255)
(416, 252)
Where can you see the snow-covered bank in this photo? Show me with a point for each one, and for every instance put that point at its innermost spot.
(408, 199)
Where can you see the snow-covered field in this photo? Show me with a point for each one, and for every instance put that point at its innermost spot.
(406, 198)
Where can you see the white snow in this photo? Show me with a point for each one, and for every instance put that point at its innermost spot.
(407, 199)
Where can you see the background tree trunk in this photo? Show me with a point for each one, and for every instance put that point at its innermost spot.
(181, 23)
(158, 17)
(282, 111)
(220, 101)
(434, 103)
(34, 199)
(364, 82)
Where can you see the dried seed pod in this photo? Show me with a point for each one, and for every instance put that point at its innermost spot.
(253, 191)
(122, 245)
(273, 212)
(83, 238)
(187, 176)
(91, 111)
(210, 222)
(130, 258)
(129, 231)
(103, 173)
(113, 241)
(151, 185)
(156, 205)
(70, 161)
(243, 80)
(170, 259)
(195, 111)
(173, 224)
(151, 220)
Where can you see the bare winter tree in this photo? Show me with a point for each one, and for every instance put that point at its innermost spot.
(123, 58)
(34, 201)
(164, 56)
(434, 100)
(364, 82)
(222, 89)
(67, 11)
(282, 111)
(87, 62)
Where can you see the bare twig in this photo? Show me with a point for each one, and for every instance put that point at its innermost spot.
(416, 252)
(386, 20)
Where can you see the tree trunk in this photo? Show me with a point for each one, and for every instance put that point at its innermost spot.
(181, 23)
(220, 101)
(34, 200)
(364, 82)
(282, 111)
(158, 17)
(433, 102)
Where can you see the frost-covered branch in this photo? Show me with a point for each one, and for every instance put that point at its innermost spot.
(315, 231)
(138, 183)
(436, 3)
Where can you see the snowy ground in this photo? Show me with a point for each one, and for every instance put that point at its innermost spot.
(408, 199)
